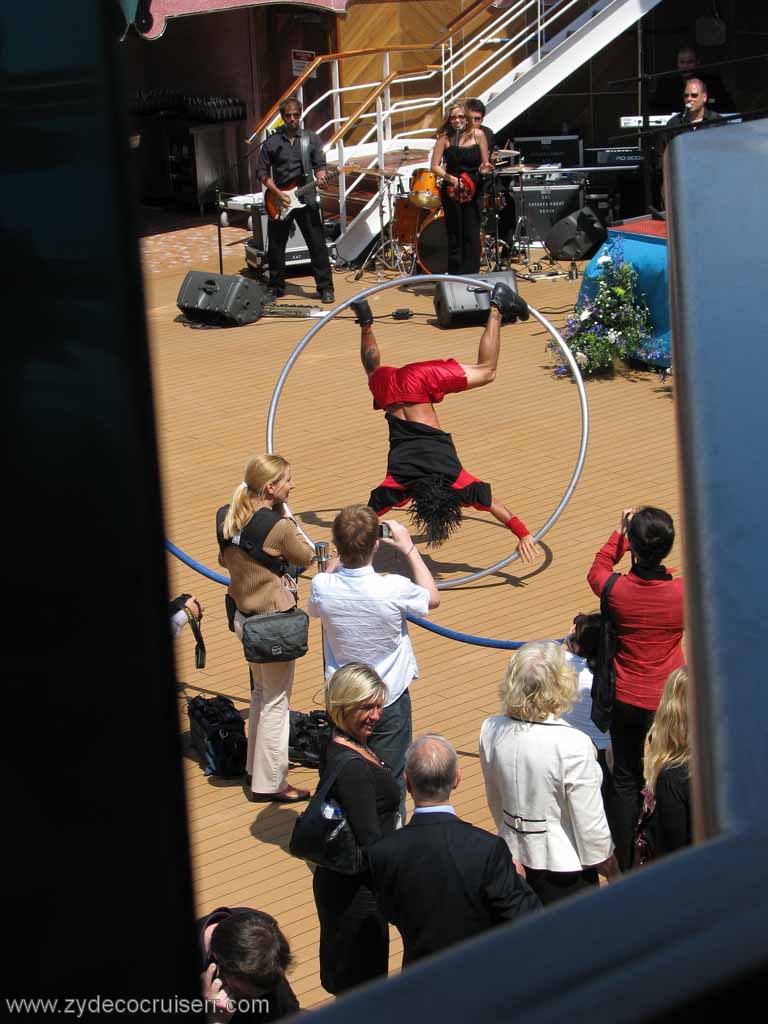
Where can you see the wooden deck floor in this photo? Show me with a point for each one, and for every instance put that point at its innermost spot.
(212, 389)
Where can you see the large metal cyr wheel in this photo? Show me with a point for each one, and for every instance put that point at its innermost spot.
(477, 282)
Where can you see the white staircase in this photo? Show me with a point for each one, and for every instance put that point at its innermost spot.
(561, 55)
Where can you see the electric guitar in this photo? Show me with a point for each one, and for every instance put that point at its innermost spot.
(276, 210)
(464, 192)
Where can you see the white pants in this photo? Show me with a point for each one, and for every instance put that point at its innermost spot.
(268, 723)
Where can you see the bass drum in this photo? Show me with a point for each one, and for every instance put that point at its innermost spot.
(405, 220)
(432, 245)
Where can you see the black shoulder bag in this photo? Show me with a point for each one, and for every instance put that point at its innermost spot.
(322, 834)
(604, 674)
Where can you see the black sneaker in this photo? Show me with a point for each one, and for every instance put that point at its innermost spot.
(364, 314)
(327, 296)
(509, 304)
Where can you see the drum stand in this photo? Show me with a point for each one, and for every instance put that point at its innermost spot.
(521, 242)
(387, 253)
(492, 255)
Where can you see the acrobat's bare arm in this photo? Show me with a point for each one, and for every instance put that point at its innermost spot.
(370, 356)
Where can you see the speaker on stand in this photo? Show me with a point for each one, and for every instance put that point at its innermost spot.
(460, 305)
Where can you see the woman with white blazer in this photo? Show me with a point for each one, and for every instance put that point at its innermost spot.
(542, 779)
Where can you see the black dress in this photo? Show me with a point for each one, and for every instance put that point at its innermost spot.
(462, 220)
(354, 936)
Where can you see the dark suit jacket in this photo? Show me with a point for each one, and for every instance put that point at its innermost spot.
(440, 880)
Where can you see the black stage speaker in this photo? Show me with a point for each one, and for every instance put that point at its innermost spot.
(576, 237)
(545, 205)
(459, 305)
(224, 299)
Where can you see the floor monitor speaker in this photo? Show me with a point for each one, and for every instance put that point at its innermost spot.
(577, 236)
(460, 305)
(220, 299)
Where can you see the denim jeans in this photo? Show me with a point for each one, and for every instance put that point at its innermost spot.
(390, 740)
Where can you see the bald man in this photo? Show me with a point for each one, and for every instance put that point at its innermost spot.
(441, 880)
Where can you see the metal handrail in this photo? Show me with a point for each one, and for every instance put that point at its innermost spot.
(478, 8)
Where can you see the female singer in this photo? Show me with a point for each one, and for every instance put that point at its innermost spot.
(459, 157)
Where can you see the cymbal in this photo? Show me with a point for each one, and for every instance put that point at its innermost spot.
(520, 169)
(375, 171)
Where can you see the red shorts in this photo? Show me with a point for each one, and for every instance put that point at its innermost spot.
(425, 382)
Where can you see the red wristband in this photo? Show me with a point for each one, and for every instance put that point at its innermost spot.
(517, 526)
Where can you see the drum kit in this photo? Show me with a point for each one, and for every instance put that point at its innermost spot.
(416, 236)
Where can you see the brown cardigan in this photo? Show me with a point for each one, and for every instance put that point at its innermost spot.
(253, 587)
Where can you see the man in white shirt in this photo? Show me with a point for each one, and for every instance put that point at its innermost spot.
(364, 619)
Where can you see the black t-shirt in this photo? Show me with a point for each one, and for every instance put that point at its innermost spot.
(670, 827)
(366, 792)
(280, 158)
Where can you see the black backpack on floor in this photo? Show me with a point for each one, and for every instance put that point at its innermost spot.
(309, 733)
(218, 735)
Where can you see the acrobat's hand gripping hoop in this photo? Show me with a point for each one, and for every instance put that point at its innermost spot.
(474, 283)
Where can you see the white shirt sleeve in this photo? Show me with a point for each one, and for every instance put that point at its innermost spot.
(178, 622)
(492, 791)
(413, 598)
(313, 609)
(582, 778)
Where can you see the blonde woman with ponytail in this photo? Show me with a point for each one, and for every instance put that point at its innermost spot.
(667, 793)
(258, 538)
(542, 779)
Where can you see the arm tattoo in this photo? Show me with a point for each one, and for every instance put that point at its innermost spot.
(370, 359)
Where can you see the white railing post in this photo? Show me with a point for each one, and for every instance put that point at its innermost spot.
(444, 70)
(539, 30)
(336, 86)
(379, 134)
(387, 99)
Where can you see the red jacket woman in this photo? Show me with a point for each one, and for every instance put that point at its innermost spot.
(647, 608)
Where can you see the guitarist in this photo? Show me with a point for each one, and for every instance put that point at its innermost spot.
(280, 166)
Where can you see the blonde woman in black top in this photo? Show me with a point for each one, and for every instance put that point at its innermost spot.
(666, 769)
(354, 935)
(258, 539)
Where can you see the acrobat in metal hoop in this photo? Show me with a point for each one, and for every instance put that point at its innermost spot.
(473, 282)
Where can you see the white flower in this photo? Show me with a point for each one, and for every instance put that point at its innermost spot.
(585, 315)
(581, 359)
(605, 258)
(613, 336)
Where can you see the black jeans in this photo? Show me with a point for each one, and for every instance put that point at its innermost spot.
(278, 233)
(629, 727)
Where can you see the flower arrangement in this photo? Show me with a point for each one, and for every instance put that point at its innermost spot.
(614, 323)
